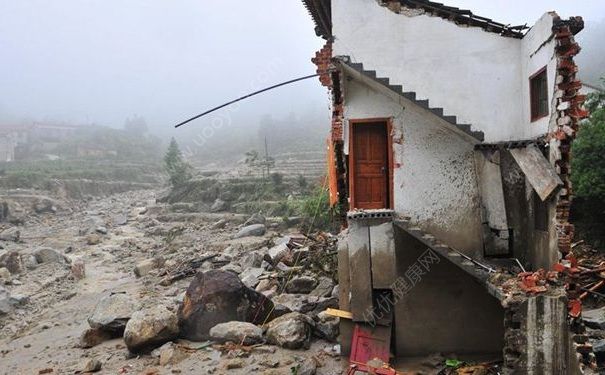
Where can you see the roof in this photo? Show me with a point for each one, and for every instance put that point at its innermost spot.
(321, 12)
(370, 75)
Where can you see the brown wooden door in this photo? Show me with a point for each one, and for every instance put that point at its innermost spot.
(370, 166)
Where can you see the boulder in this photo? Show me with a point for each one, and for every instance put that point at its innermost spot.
(112, 312)
(11, 234)
(6, 305)
(48, 255)
(29, 261)
(301, 284)
(150, 328)
(238, 332)
(255, 219)
(218, 296)
(290, 331)
(251, 230)
(45, 205)
(594, 318)
(93, 337)
(170, 354)
(304, 303)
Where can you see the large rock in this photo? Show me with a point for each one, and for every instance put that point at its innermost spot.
(150, 328)
(305, 303)
(291, 331)
(113, 312)
(594, 318)
(218, 296)
(6, 305)
(251, 230)
(327, 326)
(48, 255)
(250, 277)
(238, 332)
(5, 275)
(11, 234)
(146, 266)
(93, 337)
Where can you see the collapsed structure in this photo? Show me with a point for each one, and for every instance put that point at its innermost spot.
(449, 151)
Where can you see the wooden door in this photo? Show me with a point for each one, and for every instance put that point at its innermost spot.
(370, 179)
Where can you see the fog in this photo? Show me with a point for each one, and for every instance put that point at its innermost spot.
(102, 61)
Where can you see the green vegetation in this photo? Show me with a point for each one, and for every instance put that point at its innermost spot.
(588, 174)
(179, 171)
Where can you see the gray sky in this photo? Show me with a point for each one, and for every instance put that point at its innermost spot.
(104, 60)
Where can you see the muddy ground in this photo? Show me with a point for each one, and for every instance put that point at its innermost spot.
(41, 334)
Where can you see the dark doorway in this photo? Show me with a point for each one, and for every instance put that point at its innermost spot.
(369, 174)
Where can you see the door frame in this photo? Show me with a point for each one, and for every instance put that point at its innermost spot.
(388, 122)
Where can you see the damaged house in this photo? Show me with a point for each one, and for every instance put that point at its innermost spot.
(449, 153)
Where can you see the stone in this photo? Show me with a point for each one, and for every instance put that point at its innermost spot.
(327, 326)
(12, 261)
(598, 347)
(220, 224)
(48, 255)
(251, 230)
(290, 331)
(218, 205)
(324, 287)
(234, 363)
(146, 266)
(6, 305)
(251, 259)
(112, 312)
(304, 303)
(120, 220)
(335, 292)
(237, 332)
(93, 239)
(306, 366)
(101, 230)
(29, 261)
(5, 275)
(301, 284)
(11, 234)
(150, 328)
(170, 354)
(91, 365)
(44, 205)
(94, 336)
(215, 297)
(255, 219)
(594, 318)
(278, 252)
(78, 269)
(250, 277)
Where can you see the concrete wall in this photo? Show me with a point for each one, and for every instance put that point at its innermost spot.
(434, 176)
(447, 311)
(478, 76)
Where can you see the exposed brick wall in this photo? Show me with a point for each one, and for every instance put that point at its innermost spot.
(331, 78)
(568, 104)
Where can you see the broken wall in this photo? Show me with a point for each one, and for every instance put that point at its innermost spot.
(447, 311)
(434, 177)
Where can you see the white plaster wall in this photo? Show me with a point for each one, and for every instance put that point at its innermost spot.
(538, 50)
(434, 177)
(475, 75)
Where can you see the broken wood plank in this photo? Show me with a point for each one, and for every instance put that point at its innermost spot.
(339, 313)
(539, 172)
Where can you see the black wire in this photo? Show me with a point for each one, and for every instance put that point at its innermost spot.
(244, 97)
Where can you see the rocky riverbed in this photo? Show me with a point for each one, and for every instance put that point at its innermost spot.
(124, 285)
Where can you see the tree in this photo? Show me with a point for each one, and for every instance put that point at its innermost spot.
(588, 163)
(179, 171)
